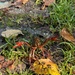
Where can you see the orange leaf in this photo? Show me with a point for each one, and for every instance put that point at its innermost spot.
(66, 35)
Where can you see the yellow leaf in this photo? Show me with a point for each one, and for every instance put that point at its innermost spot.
(45, 66)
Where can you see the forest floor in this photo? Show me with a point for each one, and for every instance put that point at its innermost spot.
(45, 25)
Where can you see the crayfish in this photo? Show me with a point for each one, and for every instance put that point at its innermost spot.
(37, 45)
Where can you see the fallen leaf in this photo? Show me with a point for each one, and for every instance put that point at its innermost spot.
(45, 66)
(7, 63)
(17, 66)
(12, 67)
(5, 4)
(47, 3)
(2, 58)
(67, 36)
(0, 66)
(20, 67)
(11, 33)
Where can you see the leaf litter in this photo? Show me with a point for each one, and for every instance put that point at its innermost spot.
(45, 66)
(5, 4)
(12, 65)
(11, 33)
(54, 71)
(4, 63)
(67, 35)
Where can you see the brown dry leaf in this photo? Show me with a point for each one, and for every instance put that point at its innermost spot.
(45, 66)
(7, 63)
(12, 67)
(17, 66)
(2, 58)
(66, 35)
(0, 66)
(47, 3)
